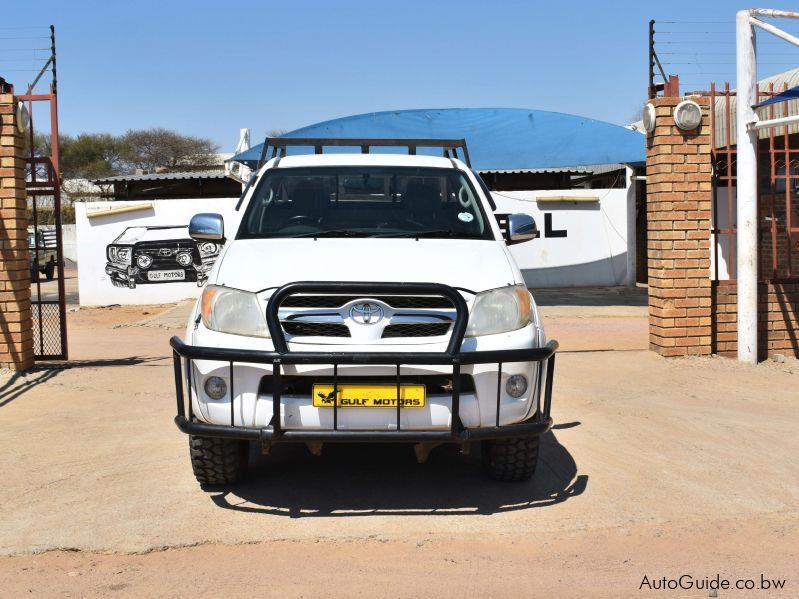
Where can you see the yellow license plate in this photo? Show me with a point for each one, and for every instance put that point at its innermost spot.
(369, 396)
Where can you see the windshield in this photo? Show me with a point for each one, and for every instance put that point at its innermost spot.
(364, 202)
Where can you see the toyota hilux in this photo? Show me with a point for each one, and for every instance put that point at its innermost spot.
(364, 297)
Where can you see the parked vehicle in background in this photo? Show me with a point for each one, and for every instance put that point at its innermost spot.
(42, 248)
(364, 298)
(162, 254)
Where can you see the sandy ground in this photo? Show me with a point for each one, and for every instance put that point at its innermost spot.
(655, 467)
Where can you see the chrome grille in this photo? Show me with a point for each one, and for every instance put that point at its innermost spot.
(389, 316)
(394, 301)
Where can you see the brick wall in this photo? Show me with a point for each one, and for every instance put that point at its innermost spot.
(778, 319)
(16, 329)
(678, 229)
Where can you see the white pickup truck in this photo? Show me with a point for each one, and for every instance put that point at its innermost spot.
(364, 297)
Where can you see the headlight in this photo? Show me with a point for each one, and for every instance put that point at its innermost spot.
(144, 260)
(232, 311)
(184, 258)
(121, 255)
(499, 311)
(207, 248)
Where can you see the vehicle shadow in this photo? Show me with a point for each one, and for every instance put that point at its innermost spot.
(20, 382)
(385, 480)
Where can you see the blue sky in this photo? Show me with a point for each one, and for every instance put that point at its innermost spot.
(209, 68)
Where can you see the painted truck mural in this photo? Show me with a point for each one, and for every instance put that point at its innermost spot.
(158, 254)
(140, 252)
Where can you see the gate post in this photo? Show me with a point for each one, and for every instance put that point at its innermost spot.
(16, 325)
(679, 188)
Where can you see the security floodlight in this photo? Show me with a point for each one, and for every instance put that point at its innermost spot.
(23, 118)
(687, 115)
(649, 118)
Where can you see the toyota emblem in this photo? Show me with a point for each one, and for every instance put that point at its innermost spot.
(366, 313)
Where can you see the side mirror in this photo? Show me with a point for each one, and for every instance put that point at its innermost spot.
(207, 227)
(521, 228)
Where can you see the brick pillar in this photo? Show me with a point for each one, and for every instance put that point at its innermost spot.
(16, 326)
(678, 177)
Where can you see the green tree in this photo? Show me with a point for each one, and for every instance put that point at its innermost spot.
(89, 156)
(153, 148)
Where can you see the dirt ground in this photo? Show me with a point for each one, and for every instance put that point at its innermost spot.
(656, 468)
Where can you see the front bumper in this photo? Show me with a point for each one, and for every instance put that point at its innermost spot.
(542, 358)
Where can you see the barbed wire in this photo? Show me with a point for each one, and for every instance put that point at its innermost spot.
(696, 51)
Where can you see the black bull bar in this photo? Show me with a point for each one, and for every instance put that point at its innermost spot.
(183, 355)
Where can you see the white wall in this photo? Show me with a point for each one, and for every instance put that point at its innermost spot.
(593, 251)
(95, 233)
(68, 242)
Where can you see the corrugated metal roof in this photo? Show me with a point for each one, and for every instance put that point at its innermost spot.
(566, 170)
(215, 174)
(781, 81)
(601, 169)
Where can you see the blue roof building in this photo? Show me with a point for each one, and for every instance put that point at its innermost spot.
(499, 139)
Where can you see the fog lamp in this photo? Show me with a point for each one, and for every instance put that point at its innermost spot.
(144, 261)
(516, 385)
(184, 259)
(215, 387)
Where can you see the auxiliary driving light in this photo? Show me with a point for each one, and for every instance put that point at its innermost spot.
(144, 261)
(216, 387)
(184, 259)
(516, 385)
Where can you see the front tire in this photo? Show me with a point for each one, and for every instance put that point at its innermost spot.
(217, 461)
(512, 459)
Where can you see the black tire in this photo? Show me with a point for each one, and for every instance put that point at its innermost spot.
(49, 271)
(512, 459)
(218, 461)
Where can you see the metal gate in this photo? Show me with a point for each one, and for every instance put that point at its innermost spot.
(778, 187)
(43, 188)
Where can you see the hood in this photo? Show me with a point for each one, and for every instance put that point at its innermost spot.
(258, 264)
(133, 235)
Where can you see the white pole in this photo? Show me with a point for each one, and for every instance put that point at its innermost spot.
(775, 31)
(746, 139)
(778, 122)
(774, 13)
(631, 222)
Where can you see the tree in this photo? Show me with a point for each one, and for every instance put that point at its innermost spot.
(153, 148)
(89, 156)
(97, 155)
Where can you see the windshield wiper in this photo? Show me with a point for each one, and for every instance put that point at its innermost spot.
(332, 233)
(418, 234)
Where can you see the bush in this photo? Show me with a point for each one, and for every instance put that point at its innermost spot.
(46, 215)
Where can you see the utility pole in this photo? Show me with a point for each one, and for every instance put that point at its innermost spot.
(746, 140)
